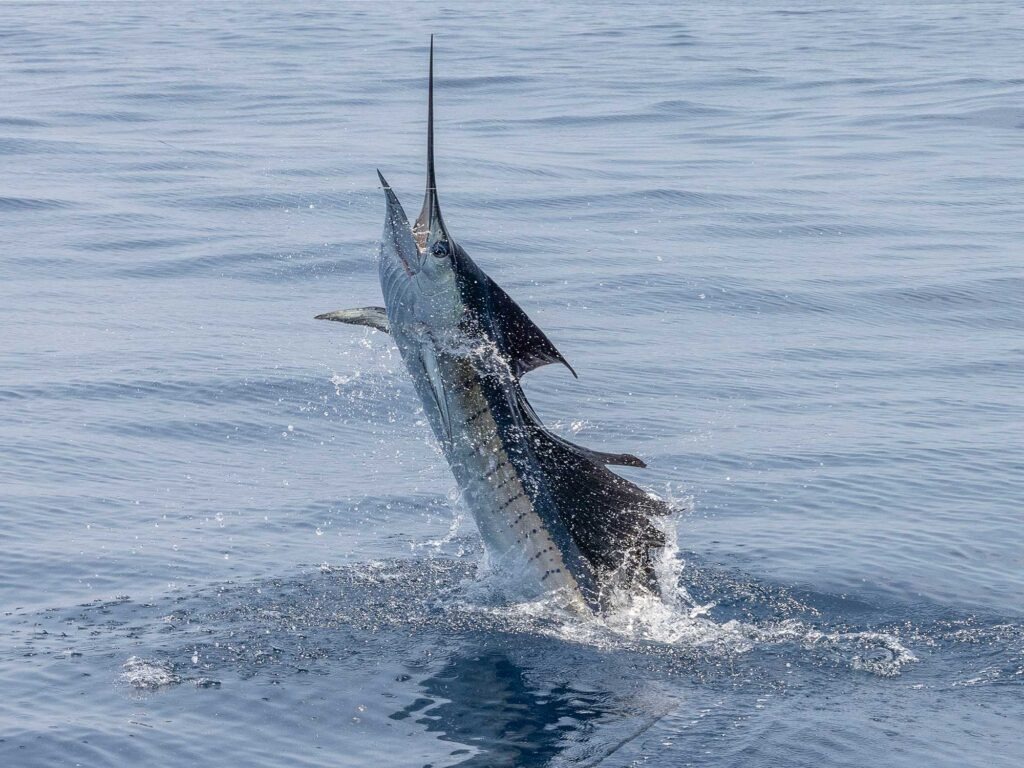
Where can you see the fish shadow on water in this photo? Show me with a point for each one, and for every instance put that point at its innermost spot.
(484, 700)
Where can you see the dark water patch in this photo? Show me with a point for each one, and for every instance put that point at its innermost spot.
(140, 244)
(22, 146)
(298, 172)
(998, 372)
(267, 201)
(843, 355)
(936, 247)
(206, 422)
(480, 81)
(115, 116)
(683, 40)
(835, 82)
(119, 220)
(686, 107)
(468, 83)
(988, 182)
(744, 78)
(497, 168)
(979, 295)
(27, 266)
(998, 117)
(801, 12)
(206, 431)
(188, 160)
(13, 204)
(371, 386)
(600, 203)
(749, 299)
(300, 104)
(820, 229)
(21, 510)
(257, 266)
(61, 461)
(570, 121)
(190, 94)
(21, 122)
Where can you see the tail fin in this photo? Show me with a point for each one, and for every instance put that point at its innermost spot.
(610, 519)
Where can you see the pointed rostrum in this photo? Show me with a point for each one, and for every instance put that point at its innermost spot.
(429, 227)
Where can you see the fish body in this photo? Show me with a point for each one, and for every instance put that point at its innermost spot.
(550, 513)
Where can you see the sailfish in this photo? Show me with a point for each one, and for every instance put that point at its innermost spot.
(550, 512)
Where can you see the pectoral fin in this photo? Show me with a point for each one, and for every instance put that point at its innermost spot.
(374, 317)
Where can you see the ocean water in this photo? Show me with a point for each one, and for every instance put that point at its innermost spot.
(782, 246)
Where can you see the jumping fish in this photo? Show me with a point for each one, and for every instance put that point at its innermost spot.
(547, 509)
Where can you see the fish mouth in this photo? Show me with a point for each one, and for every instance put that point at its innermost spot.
(398, 238)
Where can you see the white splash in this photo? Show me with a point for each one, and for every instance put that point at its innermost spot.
(148, 675)
(678, 620)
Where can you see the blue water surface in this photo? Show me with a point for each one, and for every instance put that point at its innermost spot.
(781, 244)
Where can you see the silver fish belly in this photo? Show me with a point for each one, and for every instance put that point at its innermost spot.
(503, 503)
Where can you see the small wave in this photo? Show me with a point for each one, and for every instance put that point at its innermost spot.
(482, 81)
(114, 116)
(15, 146)
(22, 122)
(685, 107)
(32, 204)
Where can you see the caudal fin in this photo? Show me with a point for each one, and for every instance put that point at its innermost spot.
(610, 519)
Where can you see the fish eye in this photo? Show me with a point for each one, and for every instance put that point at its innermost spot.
(440, 249)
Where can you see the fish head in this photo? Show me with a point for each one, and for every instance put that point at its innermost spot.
(430, 283)
(419, 271)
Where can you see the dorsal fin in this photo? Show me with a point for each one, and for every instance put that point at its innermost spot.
(523, 344)
(609, 518)
(429, 225)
